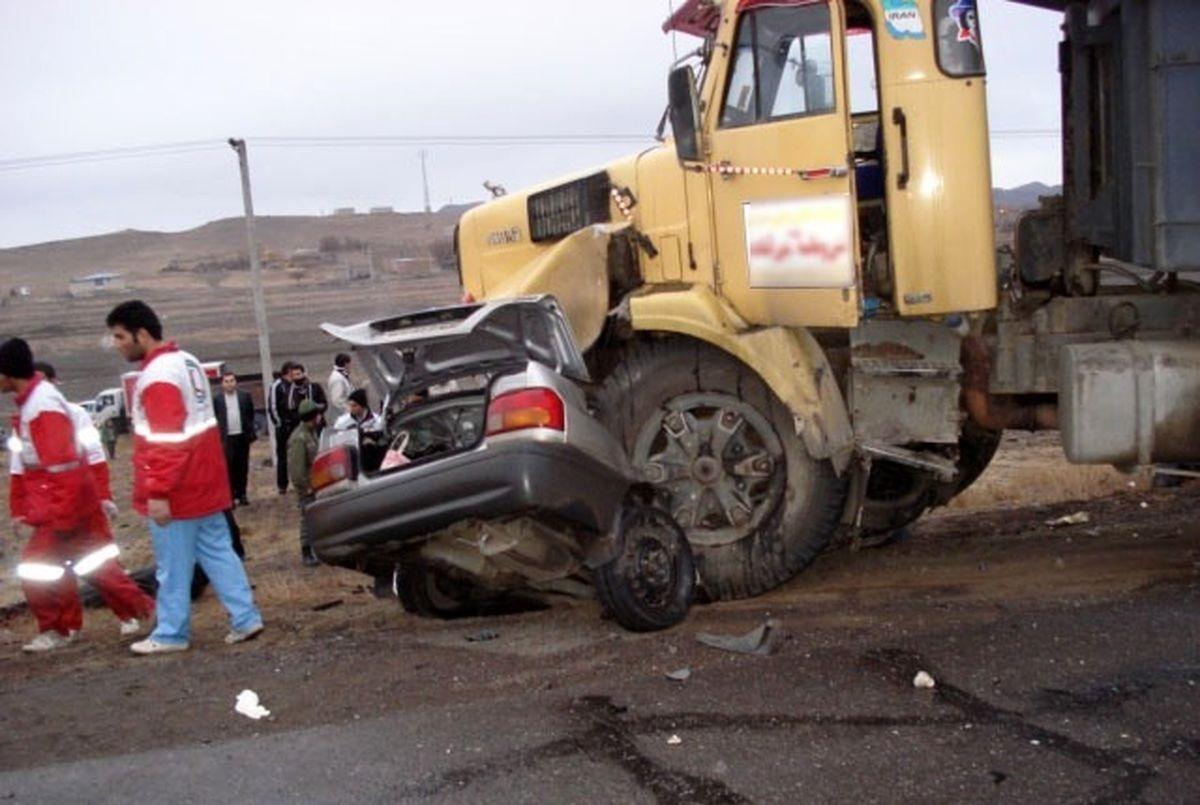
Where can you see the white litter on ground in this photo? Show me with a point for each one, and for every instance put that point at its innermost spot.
(1078, 518)
(923, 680)
(674, 740)
(249, 706)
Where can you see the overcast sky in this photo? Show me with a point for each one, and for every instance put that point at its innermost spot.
(103, 74)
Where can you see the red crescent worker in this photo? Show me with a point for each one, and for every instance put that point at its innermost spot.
(55, 493)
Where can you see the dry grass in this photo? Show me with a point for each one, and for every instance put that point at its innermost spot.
(1031, 470)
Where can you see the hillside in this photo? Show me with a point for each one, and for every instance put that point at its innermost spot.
(45, 268)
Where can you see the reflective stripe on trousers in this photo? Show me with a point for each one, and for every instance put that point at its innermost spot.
(93, 560)
(38, 571)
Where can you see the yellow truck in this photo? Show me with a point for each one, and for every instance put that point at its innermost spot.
(793, 308)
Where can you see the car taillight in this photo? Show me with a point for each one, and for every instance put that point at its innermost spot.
(527, 408)
(331, 467)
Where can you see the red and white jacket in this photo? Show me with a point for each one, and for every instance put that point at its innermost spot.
(51, 483)
(177, 453)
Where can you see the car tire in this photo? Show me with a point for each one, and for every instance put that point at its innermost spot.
(649, 585)
(428, 591)
(784, 531)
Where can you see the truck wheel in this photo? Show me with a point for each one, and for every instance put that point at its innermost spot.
(897, 495)
(428, 591)
(649, 585)
(725, 460)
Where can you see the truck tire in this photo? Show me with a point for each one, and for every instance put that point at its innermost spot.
(724, 458)
(650, 584)
(897, 495)
(428, 591)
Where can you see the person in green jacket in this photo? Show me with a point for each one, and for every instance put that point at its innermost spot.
(301, 452)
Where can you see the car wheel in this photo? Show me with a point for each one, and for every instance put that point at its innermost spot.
(649, 585)
(428, 591)
(725, 460)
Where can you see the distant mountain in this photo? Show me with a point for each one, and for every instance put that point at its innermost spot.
(1024, 197)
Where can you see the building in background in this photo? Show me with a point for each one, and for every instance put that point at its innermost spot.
(92, 284)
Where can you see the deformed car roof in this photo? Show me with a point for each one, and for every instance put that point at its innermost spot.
(428, 346)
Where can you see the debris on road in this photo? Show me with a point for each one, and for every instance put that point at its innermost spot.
(482, 636)
(249, 706)
(679, 675)
(674, 740)
(1078, 518)
(762, 640)
(923, 680)
(337, 602)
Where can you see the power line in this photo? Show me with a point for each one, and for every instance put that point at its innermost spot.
(130, 152)
(449, 139)
(369, 141)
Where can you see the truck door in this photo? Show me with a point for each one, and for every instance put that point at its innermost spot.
(778, 133)
(934, 120)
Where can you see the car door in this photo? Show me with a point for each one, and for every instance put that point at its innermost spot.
(781, 188)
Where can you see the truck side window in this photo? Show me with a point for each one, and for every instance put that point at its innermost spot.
(782, 66)
(959, 49)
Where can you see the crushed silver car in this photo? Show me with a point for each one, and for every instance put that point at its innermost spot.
(496, 478)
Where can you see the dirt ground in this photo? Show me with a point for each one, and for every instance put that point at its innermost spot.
(333, 653)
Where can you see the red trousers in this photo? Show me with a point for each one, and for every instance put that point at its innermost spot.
(53, 561)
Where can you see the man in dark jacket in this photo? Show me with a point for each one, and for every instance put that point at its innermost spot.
(277, 402)
(302, 389)
(234, 411)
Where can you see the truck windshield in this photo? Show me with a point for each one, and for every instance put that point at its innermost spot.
(783, 66)
(959, 48)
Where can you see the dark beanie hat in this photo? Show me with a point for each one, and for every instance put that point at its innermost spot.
(359, 396)
(16, 359)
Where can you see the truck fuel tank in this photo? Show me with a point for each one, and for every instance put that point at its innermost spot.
(1130, 402)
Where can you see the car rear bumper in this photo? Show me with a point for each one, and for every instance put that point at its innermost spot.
(386, 515)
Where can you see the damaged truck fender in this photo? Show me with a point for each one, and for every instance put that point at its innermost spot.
(788, 359)
(575, 272)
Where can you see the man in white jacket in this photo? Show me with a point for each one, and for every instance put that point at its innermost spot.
(340, 385)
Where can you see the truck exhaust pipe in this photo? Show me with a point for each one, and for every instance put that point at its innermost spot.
(997, 413)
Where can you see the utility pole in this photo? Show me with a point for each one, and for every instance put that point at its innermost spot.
(425, 178)
(260, 304)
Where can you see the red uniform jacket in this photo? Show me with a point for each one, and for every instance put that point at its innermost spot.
(51, 483)
(177, 454)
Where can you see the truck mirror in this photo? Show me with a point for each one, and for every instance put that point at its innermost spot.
(685, 113)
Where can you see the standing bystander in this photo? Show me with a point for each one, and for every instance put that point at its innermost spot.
(277, 402)
(235, 418)
(340, 386)
(303, 389)
(302, 450)
(180, 482)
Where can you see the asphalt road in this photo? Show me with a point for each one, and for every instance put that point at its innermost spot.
(1098, 703)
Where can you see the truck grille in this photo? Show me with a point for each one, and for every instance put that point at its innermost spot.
(559, 211)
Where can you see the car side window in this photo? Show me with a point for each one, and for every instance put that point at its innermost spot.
(782, 66)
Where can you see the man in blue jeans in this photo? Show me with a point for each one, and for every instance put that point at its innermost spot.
(180, 482)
